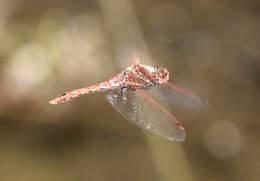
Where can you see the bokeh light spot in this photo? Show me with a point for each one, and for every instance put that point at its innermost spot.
(27, 67)
(223, 139)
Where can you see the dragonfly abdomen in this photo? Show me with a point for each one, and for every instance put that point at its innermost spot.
(114, 82)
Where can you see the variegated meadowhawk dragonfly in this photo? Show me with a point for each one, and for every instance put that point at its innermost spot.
(127, 95)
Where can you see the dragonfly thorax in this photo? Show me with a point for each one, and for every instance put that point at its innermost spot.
(160, 74)
(144, 77)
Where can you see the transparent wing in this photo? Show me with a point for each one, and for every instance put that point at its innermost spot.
(175, 95)
(140, 109)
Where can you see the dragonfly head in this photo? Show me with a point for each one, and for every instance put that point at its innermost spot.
(161, 75)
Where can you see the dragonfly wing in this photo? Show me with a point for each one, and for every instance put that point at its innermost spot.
(176, 95)
(138, 108)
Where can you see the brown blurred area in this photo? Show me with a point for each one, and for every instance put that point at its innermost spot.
(48, 47)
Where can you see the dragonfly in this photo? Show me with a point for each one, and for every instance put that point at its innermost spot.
(126, 92)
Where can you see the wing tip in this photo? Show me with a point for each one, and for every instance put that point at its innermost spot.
(178, 138)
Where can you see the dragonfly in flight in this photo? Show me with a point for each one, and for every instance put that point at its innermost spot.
(126, 92)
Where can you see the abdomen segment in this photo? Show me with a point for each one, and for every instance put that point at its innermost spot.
(103, 86)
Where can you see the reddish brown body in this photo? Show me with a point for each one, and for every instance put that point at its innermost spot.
(137, 106)
(135, 77)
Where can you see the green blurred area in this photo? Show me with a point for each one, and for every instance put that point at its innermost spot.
(48, 47)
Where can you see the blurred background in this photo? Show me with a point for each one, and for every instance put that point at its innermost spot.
(48, 47)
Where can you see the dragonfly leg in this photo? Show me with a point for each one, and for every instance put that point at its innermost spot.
(120, 94)
(124, 97)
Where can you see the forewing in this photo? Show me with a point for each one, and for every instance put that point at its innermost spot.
(175, 95)
(138, 108)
